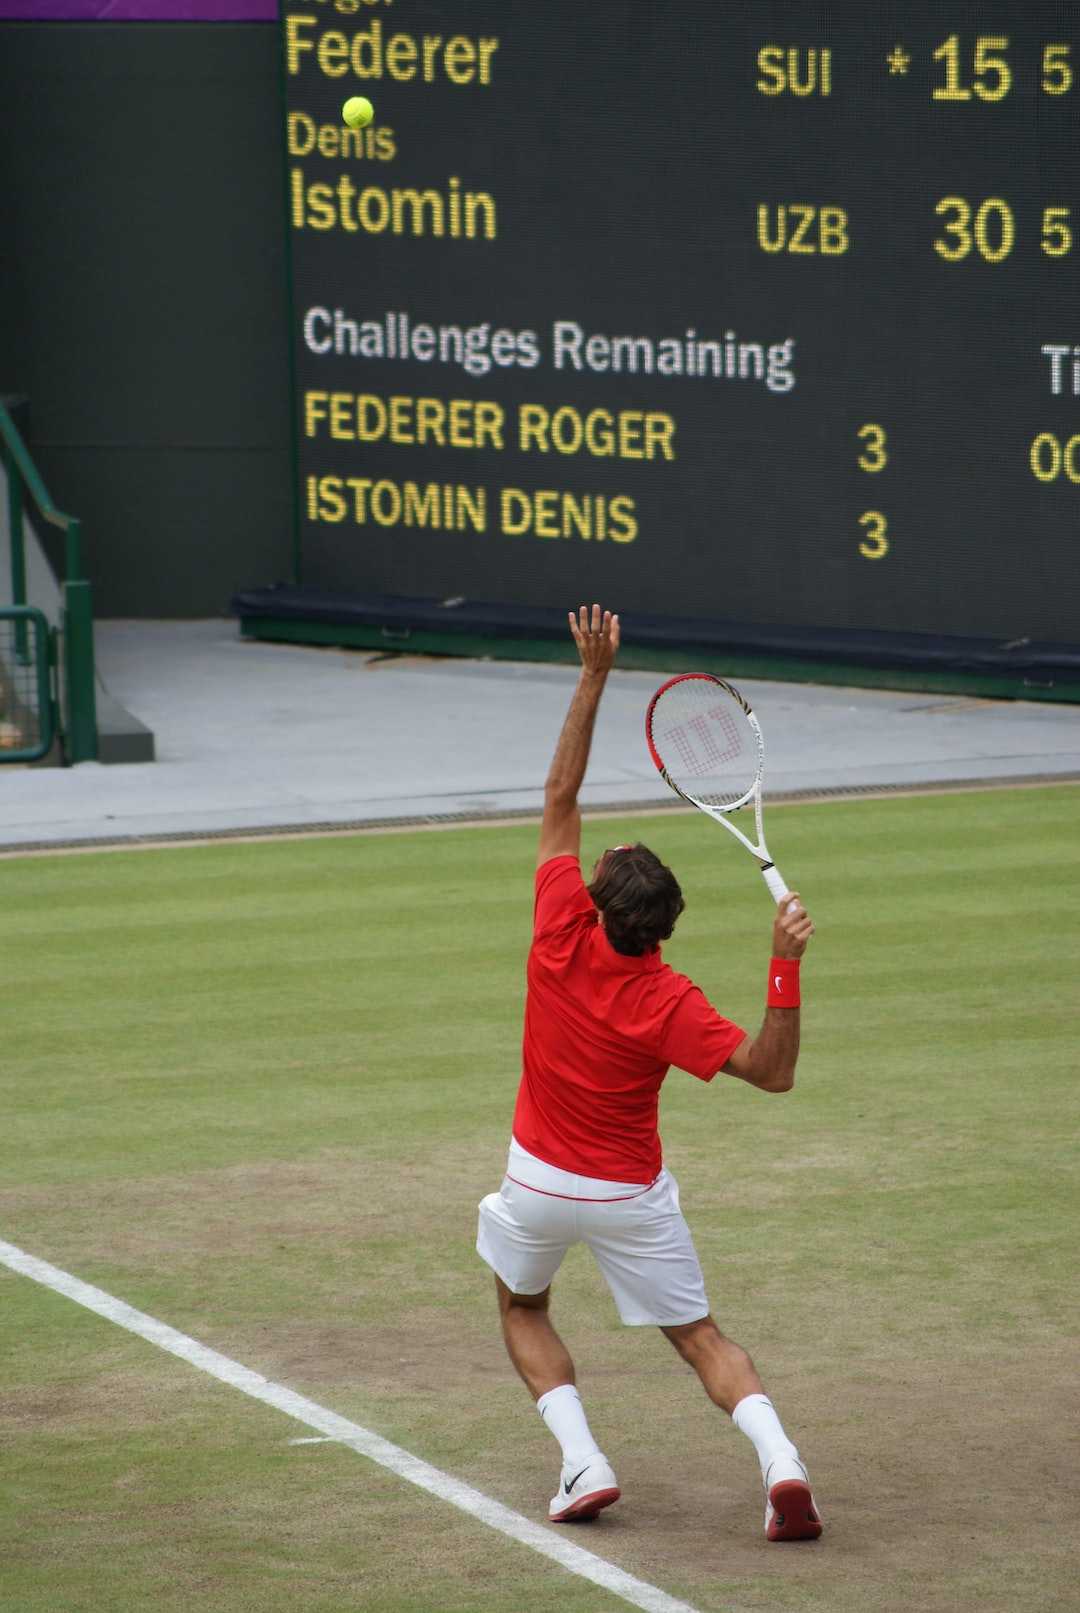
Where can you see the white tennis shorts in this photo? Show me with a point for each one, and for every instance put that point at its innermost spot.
(638, 1235)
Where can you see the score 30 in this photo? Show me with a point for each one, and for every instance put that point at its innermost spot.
(990, 230)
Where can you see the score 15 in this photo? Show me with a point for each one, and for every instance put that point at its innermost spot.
(990, 73)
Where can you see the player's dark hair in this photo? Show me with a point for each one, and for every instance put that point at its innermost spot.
(639, 898)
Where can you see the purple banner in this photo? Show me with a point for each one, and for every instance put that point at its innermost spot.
(139, 10)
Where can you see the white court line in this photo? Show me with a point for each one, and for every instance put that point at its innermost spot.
(573, 1558)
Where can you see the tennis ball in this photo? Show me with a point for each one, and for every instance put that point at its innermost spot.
(358, 111)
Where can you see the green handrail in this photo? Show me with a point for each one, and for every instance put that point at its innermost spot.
(81, 736)
(28, 698)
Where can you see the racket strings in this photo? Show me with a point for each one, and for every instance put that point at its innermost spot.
(705, 742)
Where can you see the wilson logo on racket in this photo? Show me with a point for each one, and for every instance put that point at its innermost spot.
(709, 740)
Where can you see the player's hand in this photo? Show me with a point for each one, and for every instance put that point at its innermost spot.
(792, 928)
(597, 638)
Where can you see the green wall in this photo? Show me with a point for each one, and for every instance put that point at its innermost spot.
(143, 300)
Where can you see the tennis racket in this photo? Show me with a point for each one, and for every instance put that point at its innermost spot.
(707, 745)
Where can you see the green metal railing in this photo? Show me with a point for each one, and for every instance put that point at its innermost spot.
(79, 734)
(27, 706)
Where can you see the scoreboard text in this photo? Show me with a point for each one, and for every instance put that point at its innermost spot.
(700, 315)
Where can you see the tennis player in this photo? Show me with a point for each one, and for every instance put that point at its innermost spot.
(605, 1017)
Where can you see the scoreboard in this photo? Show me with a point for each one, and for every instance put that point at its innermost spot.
(765, 314)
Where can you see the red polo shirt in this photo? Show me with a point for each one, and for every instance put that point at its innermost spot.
(601, 1031)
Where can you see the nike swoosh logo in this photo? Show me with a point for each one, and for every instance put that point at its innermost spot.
(778, 982)
(569, 1486)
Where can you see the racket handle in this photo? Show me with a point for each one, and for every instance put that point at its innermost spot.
(776, 882)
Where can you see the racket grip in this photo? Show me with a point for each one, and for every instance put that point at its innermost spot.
(776, 882)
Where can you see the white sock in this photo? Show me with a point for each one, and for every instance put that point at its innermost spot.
(756, 1417)
(562, 1411)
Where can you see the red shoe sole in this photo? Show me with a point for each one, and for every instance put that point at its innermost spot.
(795, 1517)
(587, 1507)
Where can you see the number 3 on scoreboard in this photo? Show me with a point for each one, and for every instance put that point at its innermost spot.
(875, 546)
(873, 457)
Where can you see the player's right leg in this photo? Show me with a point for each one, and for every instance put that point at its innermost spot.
(539, 1355)
(587, 1483)
(523, 1237)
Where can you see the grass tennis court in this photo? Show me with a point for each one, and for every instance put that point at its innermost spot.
(256, 1090)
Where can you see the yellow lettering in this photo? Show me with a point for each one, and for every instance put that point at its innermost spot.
(795, 69)
(416, 200)
(766, 241)
(624, 527)
(295, 43)
(341, 424)
(431, 420)
(371, 418)
(873, 458)
(301, 138)
(770, 63)
(460, 60)
(659, 432)
(314, 411)
(401, 420)
(489, 425)
(296, 197)
(472, 507)
(321, 212)
(487, 48)
(370, 54)
(548, 513)
(532, 427)
(806, 218)
(461, 423)
(790, 228)
(516, 511)
(629, 434)
(332, 505)
(346, 192)
(333, 54)
(374, 209)
(401, 57)
(832, 231)
(421, 504)
(875, 546)
(545, 514)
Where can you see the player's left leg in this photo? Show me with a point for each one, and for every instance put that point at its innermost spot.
(726, 1371)
(730, 1380)
(647, 1255)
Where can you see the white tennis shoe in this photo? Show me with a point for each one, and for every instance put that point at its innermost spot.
(583, 1491)
(790, 1511)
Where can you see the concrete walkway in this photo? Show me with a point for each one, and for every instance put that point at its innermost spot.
(255, 736)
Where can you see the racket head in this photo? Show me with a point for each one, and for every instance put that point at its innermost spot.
(705, 741)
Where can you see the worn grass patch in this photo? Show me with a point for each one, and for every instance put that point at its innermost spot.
(257, 1090)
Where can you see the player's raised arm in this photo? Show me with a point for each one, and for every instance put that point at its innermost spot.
(597, 640)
